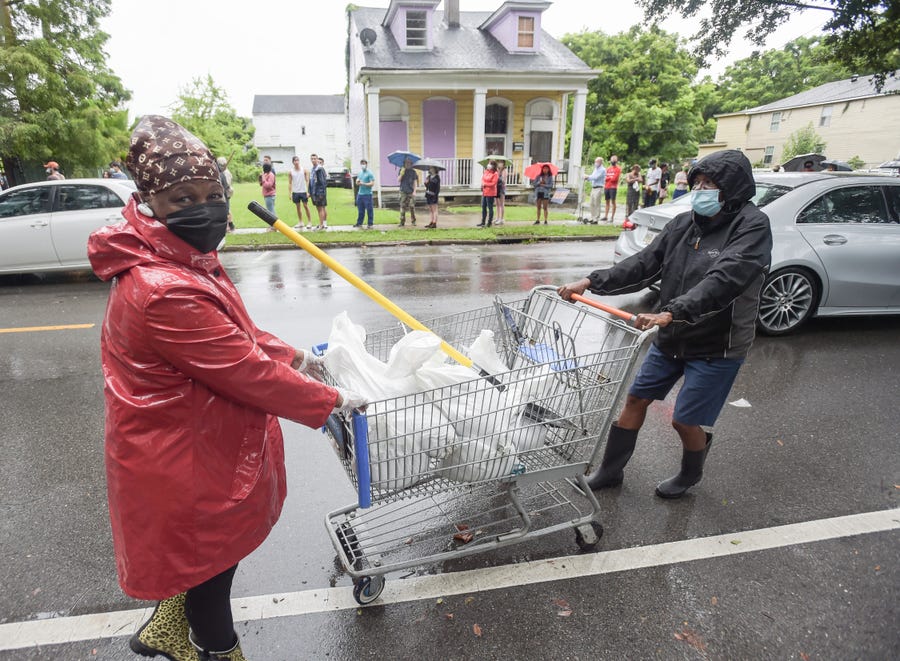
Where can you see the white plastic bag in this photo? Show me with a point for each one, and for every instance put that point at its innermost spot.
(483, 353)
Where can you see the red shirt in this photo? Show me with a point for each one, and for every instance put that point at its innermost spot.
(613, 172)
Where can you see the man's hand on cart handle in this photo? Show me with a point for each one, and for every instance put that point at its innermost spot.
(310, 364)
(577, 287)
(646, 320)
(349, 401)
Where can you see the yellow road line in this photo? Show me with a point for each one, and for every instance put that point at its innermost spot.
(33, 329)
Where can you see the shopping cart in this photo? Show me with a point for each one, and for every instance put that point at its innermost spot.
(495, 460)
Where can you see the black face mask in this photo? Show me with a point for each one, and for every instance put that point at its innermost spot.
(202, 226)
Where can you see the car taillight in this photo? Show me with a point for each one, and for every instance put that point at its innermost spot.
(628, 225)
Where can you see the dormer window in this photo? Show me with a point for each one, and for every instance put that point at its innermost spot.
(525, 37)
(416, 29)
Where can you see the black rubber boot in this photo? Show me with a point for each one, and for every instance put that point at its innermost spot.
(619, 448)
(233, 654)
(691, 472)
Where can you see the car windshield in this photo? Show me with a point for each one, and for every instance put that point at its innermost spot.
(766, 193)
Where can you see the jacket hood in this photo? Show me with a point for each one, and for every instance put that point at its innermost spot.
(140, 240)
(731, 171)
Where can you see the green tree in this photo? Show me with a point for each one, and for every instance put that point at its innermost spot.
(864, 34)
(644, 104)
(203, 109)
(775, 74)
(58, 98)
(803, 141)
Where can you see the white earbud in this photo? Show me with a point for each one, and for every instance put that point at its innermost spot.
(145, 209)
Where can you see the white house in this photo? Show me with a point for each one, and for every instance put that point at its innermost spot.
(301, 124)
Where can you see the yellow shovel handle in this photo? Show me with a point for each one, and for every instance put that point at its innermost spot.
(352, 278)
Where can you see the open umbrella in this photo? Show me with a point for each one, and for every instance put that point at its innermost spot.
(427, 163)
(839, 166)
(496, 158)
(398, 157)
(796, 164)
(534, 170)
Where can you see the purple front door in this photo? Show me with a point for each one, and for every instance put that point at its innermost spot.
(439, 132)
(392, 136)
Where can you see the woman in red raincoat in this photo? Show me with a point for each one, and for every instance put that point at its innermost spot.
(194, 455)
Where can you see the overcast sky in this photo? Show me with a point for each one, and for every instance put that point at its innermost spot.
(158, 47)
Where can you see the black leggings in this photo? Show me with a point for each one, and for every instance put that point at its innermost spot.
(208, 610)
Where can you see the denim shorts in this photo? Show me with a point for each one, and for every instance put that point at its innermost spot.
(707, 382)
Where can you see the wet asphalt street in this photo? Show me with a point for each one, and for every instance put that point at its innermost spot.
(786, 550)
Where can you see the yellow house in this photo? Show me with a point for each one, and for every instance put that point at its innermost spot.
(852, 118)
(459, 86)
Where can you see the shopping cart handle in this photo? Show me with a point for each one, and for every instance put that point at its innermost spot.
(621, 314)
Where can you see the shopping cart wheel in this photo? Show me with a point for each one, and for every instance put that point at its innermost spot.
(589, 541)
(367, 589)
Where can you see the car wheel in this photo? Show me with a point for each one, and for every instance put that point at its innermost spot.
(789, 297)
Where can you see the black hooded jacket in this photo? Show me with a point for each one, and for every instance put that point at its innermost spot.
(711, 269)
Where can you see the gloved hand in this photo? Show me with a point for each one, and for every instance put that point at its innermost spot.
(349, 401)
(312, 365)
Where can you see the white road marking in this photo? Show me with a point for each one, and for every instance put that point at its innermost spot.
(36, 633)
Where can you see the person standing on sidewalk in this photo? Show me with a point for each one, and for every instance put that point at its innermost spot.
(488, 193)
(432, 193)
(409, 181)
(193, 391)
(267, 184)
(651, 187)
(611, 188)
(635, 182)
(597, 177)
(543, 191)
(365, 180)
(501, 193)
(711, 262)
(298, 179)
(318, 190)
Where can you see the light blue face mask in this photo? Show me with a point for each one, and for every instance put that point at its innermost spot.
(706, 202)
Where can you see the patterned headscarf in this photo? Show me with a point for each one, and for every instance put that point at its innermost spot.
(163, 153)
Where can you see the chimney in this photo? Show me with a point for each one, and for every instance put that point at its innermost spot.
(451, 13)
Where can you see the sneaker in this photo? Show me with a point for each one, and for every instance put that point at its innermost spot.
(358, 225)
(481, 224)
(537, 222)
(325, 226)
(545, 222)
(368, 227)
(414, 222)
(308, 227)
(498, 222)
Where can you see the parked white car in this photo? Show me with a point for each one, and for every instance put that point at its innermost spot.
(45, 226)
(836, 245)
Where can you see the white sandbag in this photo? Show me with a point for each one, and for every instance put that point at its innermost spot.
(411, 352)
(483, 353)
(472, 405)
(478, 460)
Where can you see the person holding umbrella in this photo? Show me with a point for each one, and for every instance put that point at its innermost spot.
(193, 391)
(432, 190)
(409, 180)
(501, 191)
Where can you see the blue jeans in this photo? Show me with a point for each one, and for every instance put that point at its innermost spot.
(270, 203)
(487, 205)
(364, 205)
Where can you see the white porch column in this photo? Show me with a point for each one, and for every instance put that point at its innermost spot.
(577, 142)
(374, 138)
(478, 136)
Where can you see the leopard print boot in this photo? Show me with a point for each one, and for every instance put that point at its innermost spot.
(166, 632)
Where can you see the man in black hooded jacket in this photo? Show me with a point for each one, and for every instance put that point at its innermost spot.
(711, 263)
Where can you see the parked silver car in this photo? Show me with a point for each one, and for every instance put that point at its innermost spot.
(836, 245)
(45, 226)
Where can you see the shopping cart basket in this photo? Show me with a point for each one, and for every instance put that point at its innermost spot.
(489, 462)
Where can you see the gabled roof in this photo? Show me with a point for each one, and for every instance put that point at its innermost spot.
(860, 87)
(463, 48)
(299, 104)
(509, 5)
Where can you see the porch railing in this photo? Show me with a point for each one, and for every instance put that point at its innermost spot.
(458, 173)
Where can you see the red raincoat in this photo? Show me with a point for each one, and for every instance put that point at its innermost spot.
(194, 453)
(489, 183)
